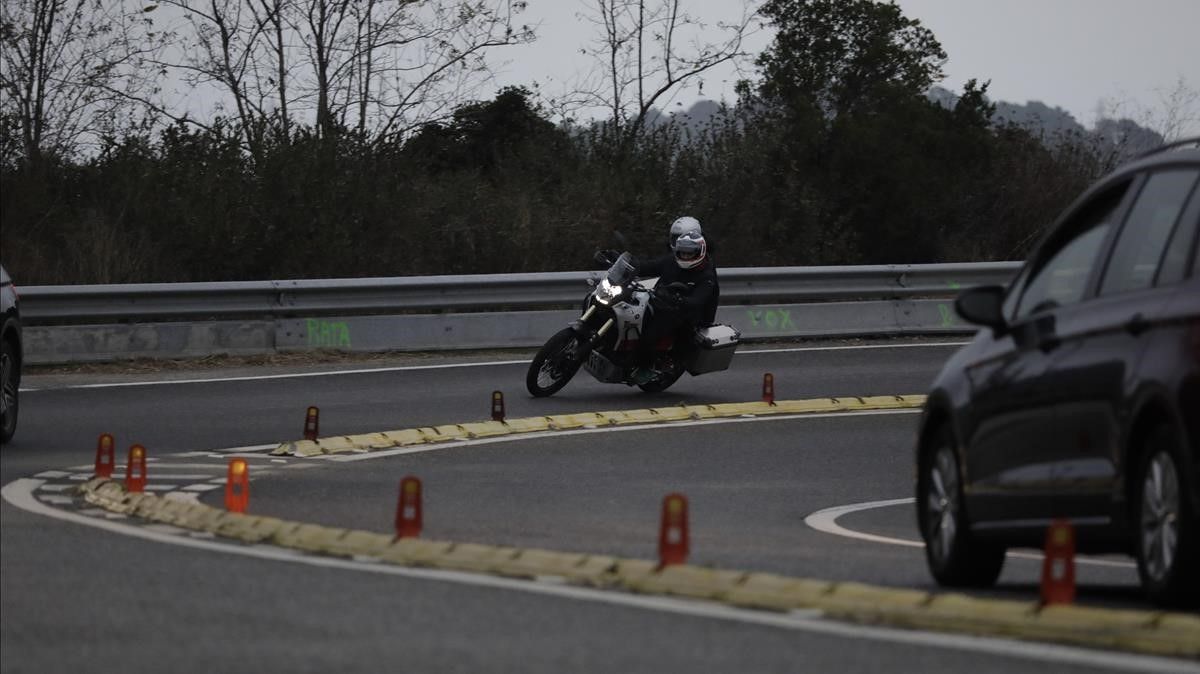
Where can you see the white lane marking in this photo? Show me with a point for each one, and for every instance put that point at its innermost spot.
(58, 500)
(201, 487)
(265, 377)
(216, 453)
(515, 437)
(55, 474)
(853, 347)
(414, 368)
(161, 487)
(19, 493)
(57, 487)
(248, 449)
(826, 521)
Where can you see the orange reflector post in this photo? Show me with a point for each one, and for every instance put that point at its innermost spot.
(497, 406)
(673, 534)
(1058, 565)
(135, 470)
(237, 486)
(408, 510)
(106, 455)
(769, 388)
(312, 423)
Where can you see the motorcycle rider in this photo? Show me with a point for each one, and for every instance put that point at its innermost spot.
(686, 294)
(683, 225)
(654, 267)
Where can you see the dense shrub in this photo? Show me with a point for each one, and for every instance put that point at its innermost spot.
(894, 178)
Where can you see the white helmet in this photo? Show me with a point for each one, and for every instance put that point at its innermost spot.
(690, 250)
(683, 226)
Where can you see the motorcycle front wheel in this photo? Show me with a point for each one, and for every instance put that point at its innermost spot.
(554, 364)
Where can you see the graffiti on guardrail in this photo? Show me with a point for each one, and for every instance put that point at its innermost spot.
(945, 310)
(947, 315)
(772, 319)
(327, 334)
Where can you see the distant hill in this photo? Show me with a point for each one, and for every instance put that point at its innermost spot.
(1055, 124)
(694, 117)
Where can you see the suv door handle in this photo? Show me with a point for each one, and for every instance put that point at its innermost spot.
(1137, 325)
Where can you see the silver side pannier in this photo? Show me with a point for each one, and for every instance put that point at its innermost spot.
(715, 345)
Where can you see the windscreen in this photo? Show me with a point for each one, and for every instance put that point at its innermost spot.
(622, 270)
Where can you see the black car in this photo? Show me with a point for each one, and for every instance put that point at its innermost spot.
(1080, 399)
(10, 357)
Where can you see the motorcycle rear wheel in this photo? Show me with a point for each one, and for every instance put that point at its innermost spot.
(554, 364)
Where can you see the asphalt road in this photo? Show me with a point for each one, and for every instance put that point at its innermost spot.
(77, 597)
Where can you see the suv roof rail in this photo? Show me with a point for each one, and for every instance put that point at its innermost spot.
(1170, 146)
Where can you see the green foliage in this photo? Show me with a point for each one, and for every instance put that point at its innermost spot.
(836, 156)
(839, 56)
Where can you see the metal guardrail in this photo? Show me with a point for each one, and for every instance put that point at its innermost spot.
(325, 297)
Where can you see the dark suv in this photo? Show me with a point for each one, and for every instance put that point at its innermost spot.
(1081, 397)
(10, 356)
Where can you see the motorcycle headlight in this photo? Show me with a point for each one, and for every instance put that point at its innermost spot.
(607, 292)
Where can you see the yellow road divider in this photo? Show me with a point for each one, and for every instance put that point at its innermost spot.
(369, 442)
(1148, 632)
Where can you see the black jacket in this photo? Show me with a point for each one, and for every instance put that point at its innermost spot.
(704, 291)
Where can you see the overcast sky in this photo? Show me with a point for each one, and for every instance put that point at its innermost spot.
(1067, 53)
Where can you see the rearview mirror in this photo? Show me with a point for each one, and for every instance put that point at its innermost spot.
(983, 306)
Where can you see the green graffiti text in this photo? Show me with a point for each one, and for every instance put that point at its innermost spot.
(772, 319)
(328, 334)
(947, 315)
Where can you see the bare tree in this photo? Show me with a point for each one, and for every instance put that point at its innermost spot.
(226, 45)
(1178, 113)
(379, 67)
(402, 64)
(647, 49)
(1125, 128)
(69, 69)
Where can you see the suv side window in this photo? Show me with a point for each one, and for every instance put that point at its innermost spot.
(1143, 238)
(1065, 263)
(1183, 241)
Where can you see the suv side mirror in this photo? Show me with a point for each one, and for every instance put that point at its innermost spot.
(983, 306)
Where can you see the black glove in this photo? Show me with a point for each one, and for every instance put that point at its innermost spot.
(607, 257)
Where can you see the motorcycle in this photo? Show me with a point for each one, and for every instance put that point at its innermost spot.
(604, 339)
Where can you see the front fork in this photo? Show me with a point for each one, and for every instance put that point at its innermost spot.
(585, 346)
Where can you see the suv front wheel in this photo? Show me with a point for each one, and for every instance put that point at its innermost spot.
(9, 390)
(1166, 534)
(954, 558)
